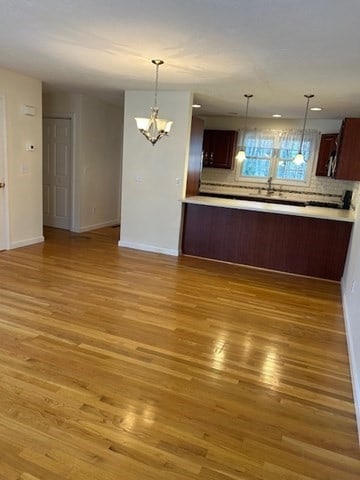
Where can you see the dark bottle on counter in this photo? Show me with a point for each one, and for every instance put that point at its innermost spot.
(347, 199)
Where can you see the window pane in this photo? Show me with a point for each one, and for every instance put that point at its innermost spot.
(306, 150)
(253, 149)
(256, 167)
(287, 170)
(288, 154)
(271, 152)
(288, 150)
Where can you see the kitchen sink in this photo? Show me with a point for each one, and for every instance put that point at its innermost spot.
(281, 201)
(278, 201)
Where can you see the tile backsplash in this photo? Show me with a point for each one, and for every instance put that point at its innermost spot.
(322, 189)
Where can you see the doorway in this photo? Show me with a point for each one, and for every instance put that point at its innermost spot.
(57, 160)
(4, 226)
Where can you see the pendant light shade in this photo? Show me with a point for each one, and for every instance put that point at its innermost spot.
(299, 158)
(241, 156)
(154, 128)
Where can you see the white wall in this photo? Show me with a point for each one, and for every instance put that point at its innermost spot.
(351, 305)
(24, 168)
(151, 199)
(97, 154)
(4, 235)
(101, 150)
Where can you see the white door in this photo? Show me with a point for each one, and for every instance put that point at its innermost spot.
(57, 172)
(3, 187)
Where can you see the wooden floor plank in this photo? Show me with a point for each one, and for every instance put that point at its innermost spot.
(119, 364)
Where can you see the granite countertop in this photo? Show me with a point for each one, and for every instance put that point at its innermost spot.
(302, 211)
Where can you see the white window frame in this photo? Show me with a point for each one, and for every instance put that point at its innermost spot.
(274, 163)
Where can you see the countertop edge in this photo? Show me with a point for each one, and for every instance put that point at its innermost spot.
(307, 211)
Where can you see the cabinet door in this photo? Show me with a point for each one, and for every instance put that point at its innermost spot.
(219, 148)
(327, 153)
(348, 156)
(208, 154)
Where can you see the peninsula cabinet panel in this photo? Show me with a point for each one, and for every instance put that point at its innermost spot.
(295, 244)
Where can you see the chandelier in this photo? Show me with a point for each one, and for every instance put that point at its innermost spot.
(154, 128)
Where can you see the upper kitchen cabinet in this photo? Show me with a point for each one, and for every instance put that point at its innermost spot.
(327, 153)
(348, 153)
(219, 148)
(339, 154)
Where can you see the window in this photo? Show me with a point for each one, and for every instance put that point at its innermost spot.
(271, 153)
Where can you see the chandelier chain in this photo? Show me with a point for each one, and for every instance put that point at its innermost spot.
(156, 85)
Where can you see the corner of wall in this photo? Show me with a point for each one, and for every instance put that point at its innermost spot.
(26, 242)
(355, 378)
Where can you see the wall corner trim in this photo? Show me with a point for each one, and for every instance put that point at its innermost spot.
(355, 378)
(95, 226)
(26, 242)
(148, 248)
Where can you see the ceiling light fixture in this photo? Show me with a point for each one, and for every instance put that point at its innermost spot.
(316, 109)
(154, 128)
(196, 105)
(299, 159)
(240, 157)
(276, 115)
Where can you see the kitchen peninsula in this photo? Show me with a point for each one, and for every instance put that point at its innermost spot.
(305, 240)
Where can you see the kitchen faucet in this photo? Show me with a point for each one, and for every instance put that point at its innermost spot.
(270, 190)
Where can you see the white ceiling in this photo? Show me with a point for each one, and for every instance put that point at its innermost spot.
(277, 50)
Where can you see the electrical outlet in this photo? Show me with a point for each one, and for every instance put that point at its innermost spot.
(353, 285)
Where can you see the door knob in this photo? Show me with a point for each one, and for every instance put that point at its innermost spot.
(2, 185)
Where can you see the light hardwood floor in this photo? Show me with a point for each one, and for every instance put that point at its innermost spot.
(123, 365)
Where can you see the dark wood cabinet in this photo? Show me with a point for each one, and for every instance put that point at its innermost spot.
(348, 153)
(195, 152)
(345, 163)
(327, 154)
(307, 246)
(219, 148)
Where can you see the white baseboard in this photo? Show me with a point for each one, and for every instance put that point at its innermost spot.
(95, 226)
(355, 379)
(25, 243)
(148, 248)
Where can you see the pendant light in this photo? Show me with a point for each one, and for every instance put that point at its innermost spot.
(240, 157)
(299, 159)
(154, 128)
